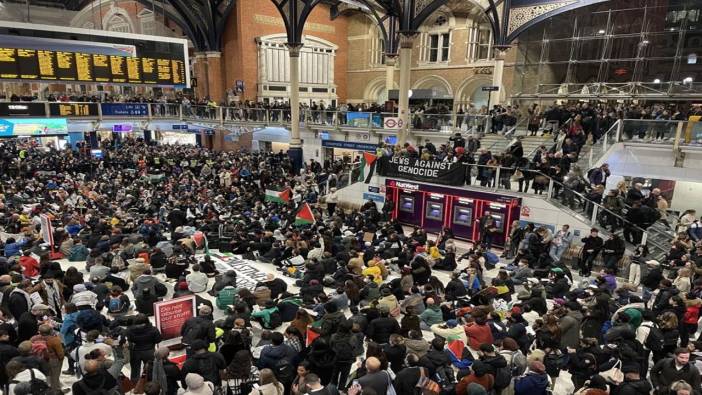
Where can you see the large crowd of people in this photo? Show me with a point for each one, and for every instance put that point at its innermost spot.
(353, 302)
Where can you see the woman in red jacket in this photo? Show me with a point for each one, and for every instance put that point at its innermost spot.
(478, 332)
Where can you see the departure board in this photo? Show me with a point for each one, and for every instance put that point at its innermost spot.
(47, 64)
(101, 68)
(119, 72)
(33, 64)
(164, 70)
(133, 72)
(148, 71)
(8, 63)
(84, 67)
(66, 66)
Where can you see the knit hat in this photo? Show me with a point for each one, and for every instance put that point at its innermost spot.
(196, 384)
(598, 382)
(451, 323)
(537, 367)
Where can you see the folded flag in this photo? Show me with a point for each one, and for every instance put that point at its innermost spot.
(278, 196)
(311, 336)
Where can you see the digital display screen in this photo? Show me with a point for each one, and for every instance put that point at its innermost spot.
(463, 216)
(125, 127)
(434, 211)
(97, 153)
(407, 204)
(499, 220)
(26, 58)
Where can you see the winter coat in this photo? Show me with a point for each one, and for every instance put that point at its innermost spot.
(531, 384)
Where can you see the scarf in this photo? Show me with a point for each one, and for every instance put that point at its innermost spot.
(158, 375)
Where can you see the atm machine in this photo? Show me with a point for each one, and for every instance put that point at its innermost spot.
(434, 212)
(499, 213)
(409, 207)
(462, 217)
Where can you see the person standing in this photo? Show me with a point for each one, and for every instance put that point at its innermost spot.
(143, 338)
(669, 370)
(560, 243)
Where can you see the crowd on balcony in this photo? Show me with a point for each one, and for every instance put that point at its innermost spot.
(359, 303)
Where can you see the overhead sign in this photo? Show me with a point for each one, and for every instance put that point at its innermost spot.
(490, 88)
(373, 197)
(26, 109)
(349, 145)
(10, 127)
(74, 109)
(123, 127)
(393, 123)
(125, 109)
(447, 173)
(171, 315)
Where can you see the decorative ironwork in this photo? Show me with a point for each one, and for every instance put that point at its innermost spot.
(520, 16)
(295, 13)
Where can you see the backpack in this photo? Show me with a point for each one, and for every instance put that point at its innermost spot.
(194, 332)
(40, 348)
(89, 320)
(516, 366)
(343, 352)
(274, 320)
(283, 371)
(655, 340)
(115, 305)
(37, 386)
(503, 376)
(98, 390)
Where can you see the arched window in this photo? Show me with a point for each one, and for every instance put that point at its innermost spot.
(147, 22)
(119, 23)
(377, 47)
(436, 39)
(479, 41)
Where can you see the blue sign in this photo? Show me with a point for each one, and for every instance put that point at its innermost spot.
(374, 197)
(324, 135)
(391, 140)
(125, 109)
(180, 127)
(349, 145)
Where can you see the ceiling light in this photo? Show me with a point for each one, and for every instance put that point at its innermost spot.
(657, 81)
(687, 80)
(601, 31)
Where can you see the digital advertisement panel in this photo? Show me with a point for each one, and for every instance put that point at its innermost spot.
(12, 127)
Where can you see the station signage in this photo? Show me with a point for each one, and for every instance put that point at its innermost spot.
(22, 109)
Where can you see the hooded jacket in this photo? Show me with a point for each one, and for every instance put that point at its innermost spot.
(418, 347)
(531, 384)
(270, 355)
(143, 337)
(434, 359)
(432, 315)
(635, 387)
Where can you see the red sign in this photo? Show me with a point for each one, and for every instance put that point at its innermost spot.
(171, 315)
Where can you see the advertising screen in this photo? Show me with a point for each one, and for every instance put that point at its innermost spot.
(10, 127)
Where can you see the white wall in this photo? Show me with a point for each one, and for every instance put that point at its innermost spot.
(352, 195)
(687, 195)
(541, 211)
(653, 162)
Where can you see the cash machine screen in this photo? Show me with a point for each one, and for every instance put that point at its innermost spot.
(407, 204)
(435, 211)
(462, 216)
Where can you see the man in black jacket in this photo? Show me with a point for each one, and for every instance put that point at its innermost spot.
(380, 329)
(591, 247)
(613, 251)
(669, 370)
(455, 288)
(143, 338)
(7, 352)
(207, 364)
(436, 358)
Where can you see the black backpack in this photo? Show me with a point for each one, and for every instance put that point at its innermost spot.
(343, 351)
(195, 332)
(275, 320)
(655, 339)
(283, 371)
(503, 376)
(36, 386)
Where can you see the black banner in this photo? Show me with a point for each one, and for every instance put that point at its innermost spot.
(446, 173)
(27, 109)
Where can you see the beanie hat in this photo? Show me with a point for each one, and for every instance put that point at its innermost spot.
(537, 367)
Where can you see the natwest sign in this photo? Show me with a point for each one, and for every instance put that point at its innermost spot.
(407, 186)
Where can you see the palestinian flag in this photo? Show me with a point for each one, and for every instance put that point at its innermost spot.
(304, 216)
(278, 196)
(367, 167)
(311, 335)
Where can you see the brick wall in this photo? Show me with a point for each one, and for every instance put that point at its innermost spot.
(256, 18)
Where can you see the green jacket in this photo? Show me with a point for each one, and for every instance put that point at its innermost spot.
(432, 315)
(227, 297)
(265, 314)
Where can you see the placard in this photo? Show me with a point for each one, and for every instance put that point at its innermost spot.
(171, 315)
(447, 173)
